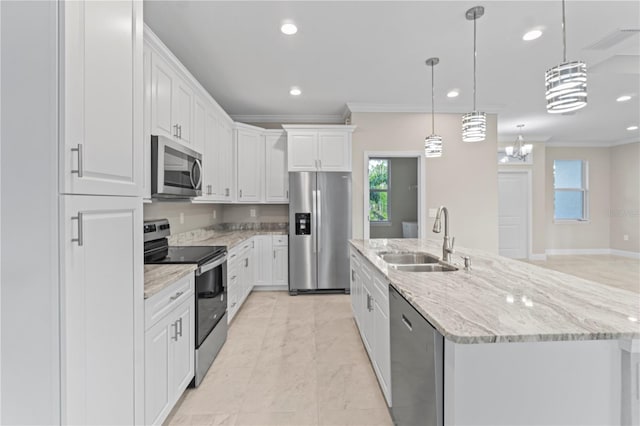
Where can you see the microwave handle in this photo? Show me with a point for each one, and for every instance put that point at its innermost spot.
(194, 184)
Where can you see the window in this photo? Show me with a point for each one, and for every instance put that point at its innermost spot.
(379, 190)
(570, 184)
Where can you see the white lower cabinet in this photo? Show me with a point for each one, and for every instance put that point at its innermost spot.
(272, 261)
(240, 276)
(102, 310)
(370, 304)
(169, 348)
(280, 267)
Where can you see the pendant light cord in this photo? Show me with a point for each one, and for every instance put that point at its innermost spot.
(433, 122)
(564, 36)
(475, 53)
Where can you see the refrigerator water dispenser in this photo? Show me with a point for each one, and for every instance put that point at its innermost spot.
(303, 223)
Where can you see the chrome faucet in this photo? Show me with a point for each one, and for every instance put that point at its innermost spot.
(447, 246)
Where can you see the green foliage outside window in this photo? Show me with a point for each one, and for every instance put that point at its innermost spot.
(378, 190)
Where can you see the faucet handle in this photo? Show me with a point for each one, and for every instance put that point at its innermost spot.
(453, 242)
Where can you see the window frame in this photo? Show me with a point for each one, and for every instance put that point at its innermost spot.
(386, 222)
(584, 189)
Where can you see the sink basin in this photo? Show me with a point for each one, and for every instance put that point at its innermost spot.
(425, 267)
(408, 258)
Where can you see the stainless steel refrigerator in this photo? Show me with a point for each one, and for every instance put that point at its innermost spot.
(319, 231)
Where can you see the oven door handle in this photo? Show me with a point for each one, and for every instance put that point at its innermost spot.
(209, 266)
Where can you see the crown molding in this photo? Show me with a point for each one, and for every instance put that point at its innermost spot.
(323, 119)
(625, 141)
(416, 108)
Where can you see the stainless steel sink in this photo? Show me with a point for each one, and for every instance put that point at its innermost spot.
(408, 258)
(425, 267)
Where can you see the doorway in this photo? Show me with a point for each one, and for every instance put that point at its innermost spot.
(514, 213)
(393, 194)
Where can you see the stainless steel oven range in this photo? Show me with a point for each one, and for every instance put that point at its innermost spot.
(211, 289)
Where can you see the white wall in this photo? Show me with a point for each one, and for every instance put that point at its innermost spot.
(625, 197)
(465, 178)
(403, 198)
(29, 218)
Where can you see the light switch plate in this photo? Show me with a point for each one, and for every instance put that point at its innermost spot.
(625, 237)
(252, 212)
(181, 218)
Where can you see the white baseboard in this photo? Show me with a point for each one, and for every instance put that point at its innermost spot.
(270, 288)
(614, 252)
(538, 256)
(624, 253)
(562, 252)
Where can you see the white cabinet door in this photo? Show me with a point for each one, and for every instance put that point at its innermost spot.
(210, 170)
(234, 291)
(334, 151)
(263, 260)
(162, 91)
(381, 348)
(250, 147)
(157, 401)
(102, 98)
(354, 293)
(199, 124)
(281, 265)
(102, 311)
(226, 161)
(182, 109)
(302, 147)
(277, 177)
(146, 139)
(182, 355)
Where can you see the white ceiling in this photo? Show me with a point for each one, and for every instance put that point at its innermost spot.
(370, 54)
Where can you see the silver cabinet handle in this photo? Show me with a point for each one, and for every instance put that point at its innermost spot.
(246, 262)
(407, 323)
(233, 304)
(226, 192)
(353, 275)
(175, 331)
(80, 169)
(241, 193)
(80, 239)
(287, 194)
(320, 162)
(175, 133)
(368, 309)
(274, 254)
(233, 277)
(180, 324)
(180, 131)
(178, 294)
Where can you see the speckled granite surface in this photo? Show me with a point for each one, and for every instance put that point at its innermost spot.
(158, 277)
(229, 235)
(504, 300)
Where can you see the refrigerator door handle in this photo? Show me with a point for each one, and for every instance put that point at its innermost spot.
(314, 220)
(319, 220)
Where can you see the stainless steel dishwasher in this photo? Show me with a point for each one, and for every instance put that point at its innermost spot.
(417, 366)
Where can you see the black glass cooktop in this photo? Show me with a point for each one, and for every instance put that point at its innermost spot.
(185, 254)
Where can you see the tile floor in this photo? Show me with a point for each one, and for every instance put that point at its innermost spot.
(615, 271)
(288, 361)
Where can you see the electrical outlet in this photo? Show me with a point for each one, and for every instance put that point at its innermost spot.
(181, 218)
(252, 212)
(625, 237)
(433, 213)
(214, 213)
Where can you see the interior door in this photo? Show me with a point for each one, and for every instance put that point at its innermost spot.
(334, 229)
(513, 208)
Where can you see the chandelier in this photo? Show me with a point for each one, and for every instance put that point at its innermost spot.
(519, 149)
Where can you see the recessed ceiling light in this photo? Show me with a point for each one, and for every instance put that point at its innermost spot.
(632, 128)
(289, 29)
(623, 98)
(532, 35)
(453, 93)
(295, 91)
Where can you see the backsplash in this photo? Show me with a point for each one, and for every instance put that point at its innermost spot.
(212, 231)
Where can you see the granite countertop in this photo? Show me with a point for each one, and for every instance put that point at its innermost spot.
(158, 277)
(505, 300)
(229, 239)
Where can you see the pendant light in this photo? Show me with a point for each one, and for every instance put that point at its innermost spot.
(566, 83)
(433, 142)
(474, 124)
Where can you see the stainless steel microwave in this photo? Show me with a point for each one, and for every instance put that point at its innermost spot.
(176, 171)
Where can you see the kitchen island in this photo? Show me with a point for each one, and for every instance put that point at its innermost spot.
(522, 344)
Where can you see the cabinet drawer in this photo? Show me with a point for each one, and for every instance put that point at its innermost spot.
(166, 300)
(280, 240)
(355, 258)
(380, 291)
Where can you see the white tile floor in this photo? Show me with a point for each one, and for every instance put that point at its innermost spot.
(288, 361)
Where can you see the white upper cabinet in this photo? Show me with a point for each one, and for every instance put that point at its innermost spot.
(102, 123)
(226, 163)
(146, 139)
(319, 148)
(277, 175)
(250, 164)
(199, 124)
(162, 82)
(182, 110)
